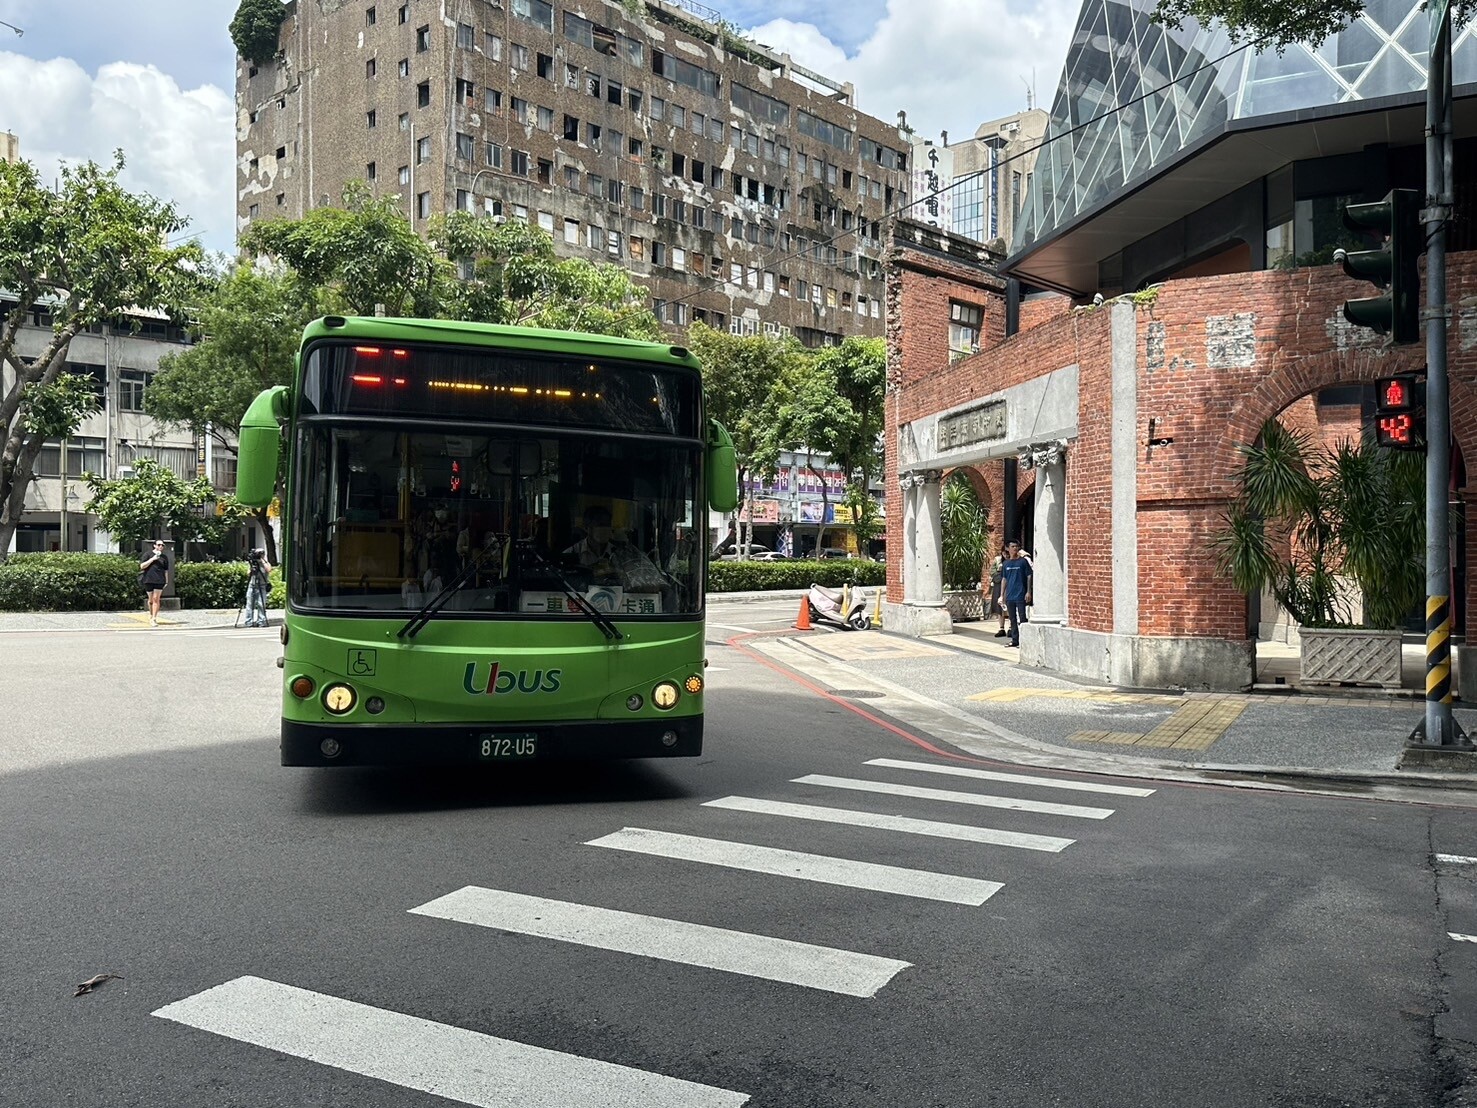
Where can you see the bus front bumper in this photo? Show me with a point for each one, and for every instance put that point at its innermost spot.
(447, 744)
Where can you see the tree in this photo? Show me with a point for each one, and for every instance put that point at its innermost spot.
(256, 28)
(742, 376)
(84, 254)
(133, 509)
(962, 523)
(248, 330)
(1280, 22)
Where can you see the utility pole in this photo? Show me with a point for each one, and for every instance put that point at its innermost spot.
(1438, 728)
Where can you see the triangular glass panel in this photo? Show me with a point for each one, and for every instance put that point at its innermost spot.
(1387, 15)
(1294, 80)
(1415, 40)
(1464, 60)
(1390, 74)
(1353, 49)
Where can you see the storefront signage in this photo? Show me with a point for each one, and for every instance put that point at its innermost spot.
(981, 423)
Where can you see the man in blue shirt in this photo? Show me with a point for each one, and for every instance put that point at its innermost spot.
(1015, 588)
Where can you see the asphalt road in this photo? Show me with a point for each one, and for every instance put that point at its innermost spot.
(365, 938)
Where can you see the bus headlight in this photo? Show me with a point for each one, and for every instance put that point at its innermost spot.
(665, 695)
(338, 699)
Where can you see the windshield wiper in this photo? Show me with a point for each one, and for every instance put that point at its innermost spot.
(580, 601)
(432, 606)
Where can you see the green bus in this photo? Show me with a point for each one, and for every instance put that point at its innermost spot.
(494, 542)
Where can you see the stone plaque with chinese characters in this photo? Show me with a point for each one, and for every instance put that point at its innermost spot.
(981, 423)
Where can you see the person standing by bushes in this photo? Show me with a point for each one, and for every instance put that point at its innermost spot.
(258, 585)
(153, 576)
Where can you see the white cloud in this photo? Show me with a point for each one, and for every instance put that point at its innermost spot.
(179, 145)
(950, 64)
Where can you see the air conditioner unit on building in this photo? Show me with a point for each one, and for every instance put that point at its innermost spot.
(125, 472)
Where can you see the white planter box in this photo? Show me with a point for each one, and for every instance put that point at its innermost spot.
(964, 605)
(1350, 656)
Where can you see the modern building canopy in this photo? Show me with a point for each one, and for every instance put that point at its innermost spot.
(1151, 123)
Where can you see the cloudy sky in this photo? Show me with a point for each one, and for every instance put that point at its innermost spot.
(155, 77)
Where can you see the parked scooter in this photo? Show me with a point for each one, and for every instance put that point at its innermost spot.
(845, 607)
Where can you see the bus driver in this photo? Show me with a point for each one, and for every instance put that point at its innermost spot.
(605, 556)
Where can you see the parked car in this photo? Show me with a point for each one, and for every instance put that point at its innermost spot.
(771, 556)
(828, 553)
(756, 553)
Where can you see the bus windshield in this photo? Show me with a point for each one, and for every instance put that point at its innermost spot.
(387, 517)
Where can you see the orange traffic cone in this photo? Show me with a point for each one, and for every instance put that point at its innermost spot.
(803, 622)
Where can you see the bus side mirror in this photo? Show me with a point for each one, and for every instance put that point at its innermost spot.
(260, 448)
(722, 469)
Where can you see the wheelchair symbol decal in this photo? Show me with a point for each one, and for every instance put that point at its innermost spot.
(362, 663)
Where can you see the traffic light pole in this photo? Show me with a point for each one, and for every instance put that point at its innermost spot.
(1439, 727)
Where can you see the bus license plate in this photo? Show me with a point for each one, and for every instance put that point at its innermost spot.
(502, 748)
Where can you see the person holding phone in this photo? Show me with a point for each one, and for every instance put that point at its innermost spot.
(153, 577)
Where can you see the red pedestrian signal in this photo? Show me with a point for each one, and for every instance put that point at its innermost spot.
(1399, 422)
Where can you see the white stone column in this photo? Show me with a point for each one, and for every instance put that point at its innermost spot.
(928, 554)
(1049, 591)
(910, 537)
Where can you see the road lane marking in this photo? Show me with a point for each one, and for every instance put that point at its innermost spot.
(1101, 696)
(1011, 778)
(732, 627)
(1463, 938)
(905, 824)
(923, 884)
(414, 1053)
(1456, 859)
(815, 967)
(951, 796)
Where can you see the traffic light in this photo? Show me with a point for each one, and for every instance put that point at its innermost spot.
(1392, 267)
(1399, 422)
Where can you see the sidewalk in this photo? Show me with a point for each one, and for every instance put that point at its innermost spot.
(189, 619)
(969, 690)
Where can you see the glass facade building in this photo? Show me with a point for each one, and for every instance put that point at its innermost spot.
(1136, 96)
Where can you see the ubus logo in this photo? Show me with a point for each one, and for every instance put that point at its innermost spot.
(501, 680)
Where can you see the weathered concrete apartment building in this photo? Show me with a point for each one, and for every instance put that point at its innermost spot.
(740, 188)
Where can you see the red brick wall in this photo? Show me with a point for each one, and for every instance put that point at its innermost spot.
(1207, 379)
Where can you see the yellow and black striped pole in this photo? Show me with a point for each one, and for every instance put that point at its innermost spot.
(1438, 650)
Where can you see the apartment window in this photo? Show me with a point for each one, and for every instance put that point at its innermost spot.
(659, 205)
(679, 117)
(403, 15)
(716, 178)
(699, 171)
(613, 244)
(699, 123)
(684, 73)
(520, 56)
(423, 94)
(571, 178)
(463, 200)
(596, 184)
(658, 108)
(519, 165)
(659, 307)
(613, 93)
(545, 67)
(371, 67)
(404, 175)
(658, 253)
(679, 310)
(679, 165)
(466, 92)
(636, 148)
(613, 191)
(520, 212)
(369, 171)
(638, 198)
(404, 67)
(492, 154)
(592, 85)
(699, 264)
(545, 173)
(572, 232)
(595, 237)
(131, 385)
(633, 101)
(466, 36)
(369, 16)
(538, 12)
(679, 258)
(768, 281)
(592, 134)
(571, 128)
(784, 285)
(422, 150)
(546, 119)
(464, 147)
(492, 100)
(492, 46)
(422, 205)
(679, 210)
(405, 121)
(638, 248)
(715, 129)
(422, 39)
(546, 222)
(371, 117)
(964, 329)
(577, 29)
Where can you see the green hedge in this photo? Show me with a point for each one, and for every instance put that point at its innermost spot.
(109, 583)
(763, 576)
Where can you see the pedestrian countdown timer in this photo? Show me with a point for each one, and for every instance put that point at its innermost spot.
(1398, 418)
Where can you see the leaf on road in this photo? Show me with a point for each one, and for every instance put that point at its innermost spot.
(93, 982)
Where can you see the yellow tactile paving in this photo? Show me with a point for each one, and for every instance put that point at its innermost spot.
(860, 646)
(1195, 726)
(139, 620)
(1010, 696)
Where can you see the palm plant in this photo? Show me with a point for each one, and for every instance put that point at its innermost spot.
(1351, 511)
(962, 522)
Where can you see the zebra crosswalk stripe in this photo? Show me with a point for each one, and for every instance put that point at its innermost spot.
(414, 1053)
(1040, 807)
(905, 824)
(873, 876)
(816, 967)
(1011, 778)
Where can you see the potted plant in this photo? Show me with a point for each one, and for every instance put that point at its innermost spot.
(1337, 535)
(962, 522)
